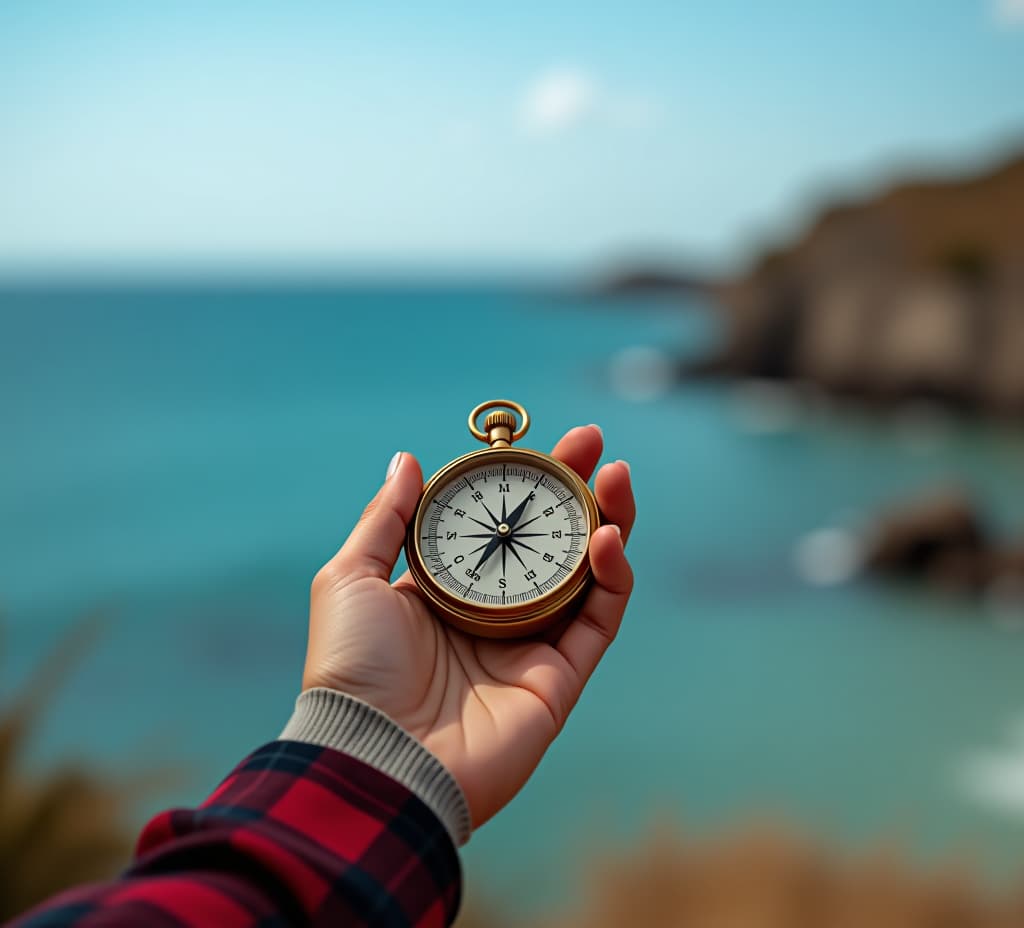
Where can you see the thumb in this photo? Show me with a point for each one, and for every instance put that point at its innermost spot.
(372, 548)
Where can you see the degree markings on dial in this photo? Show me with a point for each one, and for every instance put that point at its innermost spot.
(500, 584)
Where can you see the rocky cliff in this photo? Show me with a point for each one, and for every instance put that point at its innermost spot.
(917, 293)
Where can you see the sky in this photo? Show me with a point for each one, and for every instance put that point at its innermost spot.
(467, 137)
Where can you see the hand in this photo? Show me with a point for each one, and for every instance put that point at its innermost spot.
(487, 709)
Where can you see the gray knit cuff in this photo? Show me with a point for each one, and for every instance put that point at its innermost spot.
(336, 720)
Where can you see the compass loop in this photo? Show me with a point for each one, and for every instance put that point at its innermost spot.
(517, 408)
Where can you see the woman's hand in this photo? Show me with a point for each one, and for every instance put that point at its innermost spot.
(487, 709)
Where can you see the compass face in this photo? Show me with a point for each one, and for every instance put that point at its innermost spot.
(503, 533)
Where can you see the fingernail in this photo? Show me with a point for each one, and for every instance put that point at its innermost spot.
(393, 466)
(618, 531)
(594, 425)
(626, 465)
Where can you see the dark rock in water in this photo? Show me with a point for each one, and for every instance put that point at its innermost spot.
(941, 539)
(917, 294)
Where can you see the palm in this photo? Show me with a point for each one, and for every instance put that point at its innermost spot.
(466, 699)
(486, 709)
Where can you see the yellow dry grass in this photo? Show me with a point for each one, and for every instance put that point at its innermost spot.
(61, 827)
(66, 826)
(765, 877)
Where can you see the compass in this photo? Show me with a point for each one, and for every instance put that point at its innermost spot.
(498, 542)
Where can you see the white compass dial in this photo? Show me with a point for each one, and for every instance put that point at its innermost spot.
(502, 534)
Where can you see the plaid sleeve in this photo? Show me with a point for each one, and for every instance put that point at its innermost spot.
(296, 835)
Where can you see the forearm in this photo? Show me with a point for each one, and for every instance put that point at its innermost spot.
(297, 834)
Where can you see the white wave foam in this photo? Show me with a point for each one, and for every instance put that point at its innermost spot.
(996, 777)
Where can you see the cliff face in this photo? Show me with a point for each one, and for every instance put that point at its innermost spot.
(917, 293)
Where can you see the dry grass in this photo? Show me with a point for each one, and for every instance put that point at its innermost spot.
(63, 827)
(769, 878)
(68, 827)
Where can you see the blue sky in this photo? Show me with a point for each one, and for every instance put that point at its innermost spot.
(463, 136)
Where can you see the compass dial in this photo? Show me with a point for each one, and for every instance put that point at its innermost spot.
(503, 533)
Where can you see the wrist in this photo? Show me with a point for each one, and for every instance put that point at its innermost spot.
(336, 720)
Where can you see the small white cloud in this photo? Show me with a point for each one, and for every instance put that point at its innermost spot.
(1010, 12)
(559, 100)
(563, 99)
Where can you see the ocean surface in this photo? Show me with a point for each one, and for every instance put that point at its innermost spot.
(183, 459)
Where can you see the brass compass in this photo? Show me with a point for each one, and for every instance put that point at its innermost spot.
(498, 542)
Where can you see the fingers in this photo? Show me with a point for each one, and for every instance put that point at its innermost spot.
(587, 638)
(374, 544)
(614, 491)
(580, 449)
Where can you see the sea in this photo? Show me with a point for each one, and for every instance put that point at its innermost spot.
(179, 460)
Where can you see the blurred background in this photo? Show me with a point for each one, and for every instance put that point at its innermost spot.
(249, 250)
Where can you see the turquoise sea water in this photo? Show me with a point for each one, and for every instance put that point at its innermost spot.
(184, 459)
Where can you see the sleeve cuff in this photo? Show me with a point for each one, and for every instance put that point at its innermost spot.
(344, 723)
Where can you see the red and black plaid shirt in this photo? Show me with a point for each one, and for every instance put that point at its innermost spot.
(296, 835)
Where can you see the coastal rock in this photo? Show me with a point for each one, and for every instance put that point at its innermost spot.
(923, 344)
(915, 294)
(832, 343)
(1002, 378)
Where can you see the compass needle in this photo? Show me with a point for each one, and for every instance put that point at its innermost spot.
(497, 521)
(516, 514)
(515, 554)
(490, 548)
